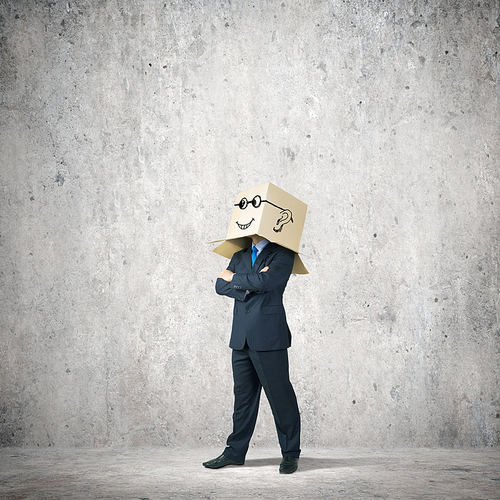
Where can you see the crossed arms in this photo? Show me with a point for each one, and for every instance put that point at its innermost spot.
(227, 275)
(235, 285)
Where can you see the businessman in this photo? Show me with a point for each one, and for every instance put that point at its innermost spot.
(256, 278)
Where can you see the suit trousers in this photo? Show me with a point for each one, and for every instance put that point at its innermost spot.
(252, 371)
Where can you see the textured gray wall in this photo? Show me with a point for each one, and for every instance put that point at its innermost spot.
(127, 130)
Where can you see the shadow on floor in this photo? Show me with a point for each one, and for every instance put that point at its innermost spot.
(310, 463)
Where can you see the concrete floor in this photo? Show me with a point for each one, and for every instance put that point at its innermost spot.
(160, 473)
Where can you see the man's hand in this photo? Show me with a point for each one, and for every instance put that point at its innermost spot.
(264, 269)
(226, 275)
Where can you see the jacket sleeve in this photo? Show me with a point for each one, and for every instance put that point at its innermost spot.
(223, 287)
(279, 271)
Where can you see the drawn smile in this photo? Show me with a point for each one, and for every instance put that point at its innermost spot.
(244, 226)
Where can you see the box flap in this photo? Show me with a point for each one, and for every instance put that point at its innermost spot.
(229, 247)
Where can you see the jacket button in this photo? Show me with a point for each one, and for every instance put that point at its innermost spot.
(247, 311)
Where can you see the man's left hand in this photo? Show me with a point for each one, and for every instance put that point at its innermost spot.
(226, 275)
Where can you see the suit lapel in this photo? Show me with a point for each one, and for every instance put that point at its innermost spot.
(247, 258)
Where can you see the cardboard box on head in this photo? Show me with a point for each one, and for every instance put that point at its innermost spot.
(270, 212)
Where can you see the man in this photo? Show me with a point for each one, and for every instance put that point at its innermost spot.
(256, 278)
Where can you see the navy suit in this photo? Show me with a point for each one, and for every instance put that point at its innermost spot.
(259, 338)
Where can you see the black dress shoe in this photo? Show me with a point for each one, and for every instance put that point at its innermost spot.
(221, 461)
(289, 465)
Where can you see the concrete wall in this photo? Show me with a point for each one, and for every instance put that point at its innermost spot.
(127, 130)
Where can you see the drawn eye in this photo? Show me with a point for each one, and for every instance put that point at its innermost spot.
(256, 202)
(243, 203)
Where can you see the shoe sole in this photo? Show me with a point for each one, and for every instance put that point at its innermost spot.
(288, 471)
(219, 466)
(208, 466)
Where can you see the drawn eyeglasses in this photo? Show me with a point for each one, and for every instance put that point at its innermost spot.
(256, 203)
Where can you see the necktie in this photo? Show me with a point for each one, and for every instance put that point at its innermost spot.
(254, 255)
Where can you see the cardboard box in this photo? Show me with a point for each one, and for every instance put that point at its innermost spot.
(270, 212)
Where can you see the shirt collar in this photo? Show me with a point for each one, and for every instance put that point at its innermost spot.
(260, 245)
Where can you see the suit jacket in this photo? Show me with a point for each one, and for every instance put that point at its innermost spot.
(259, 317)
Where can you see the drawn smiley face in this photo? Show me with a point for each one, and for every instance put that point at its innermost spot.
(285, 215)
